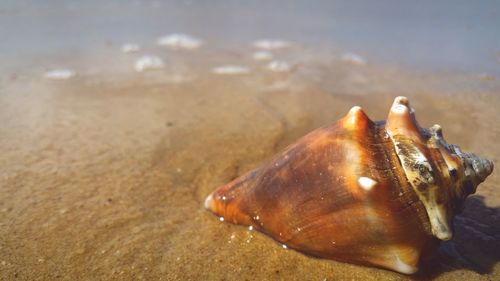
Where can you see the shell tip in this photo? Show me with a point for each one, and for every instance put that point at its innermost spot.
(437, 131)
(401, 119)
(402, 104)
(402, 101)
(356, 117)
(400, 108)
(482, 167)
(356, 112)
(355, 109)
(209, 201)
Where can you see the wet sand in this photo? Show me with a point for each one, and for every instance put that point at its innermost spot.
(104, 177)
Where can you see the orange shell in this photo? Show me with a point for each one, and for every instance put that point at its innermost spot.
(341, 192)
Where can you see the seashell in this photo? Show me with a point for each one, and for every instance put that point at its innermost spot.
(380, 193)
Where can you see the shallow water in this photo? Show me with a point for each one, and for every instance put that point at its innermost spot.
(104, 173)
(446, 36)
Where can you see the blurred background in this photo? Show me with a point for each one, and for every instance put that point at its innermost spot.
(456, 36)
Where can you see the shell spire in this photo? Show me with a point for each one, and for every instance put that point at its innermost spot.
(371, 193)
(415, 148)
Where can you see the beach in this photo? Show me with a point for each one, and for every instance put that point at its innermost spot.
(107, 160)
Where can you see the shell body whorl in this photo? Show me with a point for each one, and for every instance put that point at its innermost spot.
(373, 193)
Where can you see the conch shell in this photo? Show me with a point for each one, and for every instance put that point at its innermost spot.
(371, 193)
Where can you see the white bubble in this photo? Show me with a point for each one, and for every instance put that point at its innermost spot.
(60, 74)
(262, 55)
(148, 62)
(230, 69)
(250, 228)
(353, 58)
(284, 246)
(279, 66)
(271, 44)
(221, 218)
(130, 48)
(180, 41)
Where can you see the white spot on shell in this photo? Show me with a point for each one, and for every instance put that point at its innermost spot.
(60, 74)
(366, 183)
(148, 62)
(230, 70)
(179, 41)
(399, 108)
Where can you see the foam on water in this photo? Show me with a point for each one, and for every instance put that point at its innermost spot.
(148, 62)
(353, 58)
(279, 66)
(262, 55)
(130, 48)
(230, 69)
(271, 44)
(180, 41)
(60, 74)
